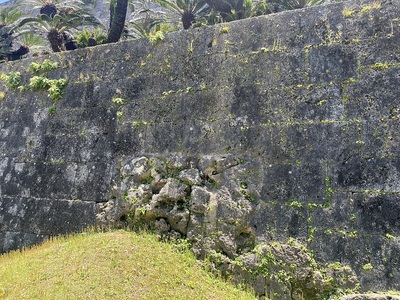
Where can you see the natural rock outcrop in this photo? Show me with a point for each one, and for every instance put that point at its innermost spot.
(189, 198)
(240, 136)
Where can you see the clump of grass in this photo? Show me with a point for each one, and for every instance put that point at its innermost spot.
(111, 265)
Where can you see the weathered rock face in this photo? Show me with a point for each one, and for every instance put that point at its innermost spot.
(207, 201)
(189, 198)
(281, 128)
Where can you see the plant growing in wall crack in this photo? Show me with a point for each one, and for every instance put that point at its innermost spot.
(13, 79)
(119, 102)
(47, 65)
(54, 88)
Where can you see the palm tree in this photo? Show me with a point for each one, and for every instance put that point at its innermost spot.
(57, 28)
(55, 20)
(145, 19)
(188, 10)
(253, 8)
(53, 7)
(294, 4)
(32, 42)
(249, 8)
(89, 38)
(24, 44)
(8, 17)
(226, 7)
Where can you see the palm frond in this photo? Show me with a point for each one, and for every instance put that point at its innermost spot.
(31, 40)
(186, 11)
(87, 38)
(142, 29)
(9, 15)
(295, 4)
(63, 5)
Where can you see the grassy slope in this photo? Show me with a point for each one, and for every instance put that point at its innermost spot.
(112, 265)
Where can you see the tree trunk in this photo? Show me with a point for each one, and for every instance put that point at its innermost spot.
(118, 9)
(56, 40)
(188, 20)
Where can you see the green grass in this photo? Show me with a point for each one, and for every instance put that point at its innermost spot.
(111, 265)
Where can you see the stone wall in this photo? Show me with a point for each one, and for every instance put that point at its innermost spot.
(236, 135)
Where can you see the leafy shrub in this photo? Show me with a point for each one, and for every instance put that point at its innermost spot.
(39, 83)
(13, 79)
(47, 65)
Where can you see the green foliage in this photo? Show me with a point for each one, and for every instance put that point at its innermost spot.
(87, 38)
(254, 8)
(295, 204)
(319, 284)
(120, 114)
(251, 8)
(9, 15)
(248, 196)
(383, 66)
(352, 217)
(54, 87)
(367, 8)
(110, 265)
(311, 234)
(389, 236)
(188, 12)
(294, 4)
(39, 83)
(145, 18)
(224, 29)
(367, 267)
(328, 191)
(118, 101)
(47, 65)
(35, 43)
(13, 79)
(61, 6)
(181, 245)
(57, 27)
(55, 91)
(211, 183)
(139, 123)
(156, 36)
(58, 19)
(52, 110)
(148, 180)
(9, 49)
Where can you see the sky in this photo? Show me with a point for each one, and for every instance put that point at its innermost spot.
(2, 1)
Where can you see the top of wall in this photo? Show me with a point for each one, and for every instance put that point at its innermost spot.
(339, 23)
